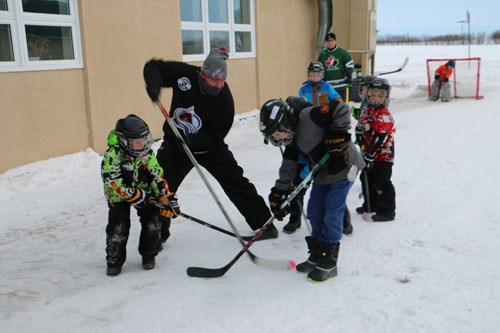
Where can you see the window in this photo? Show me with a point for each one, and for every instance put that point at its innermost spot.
(207, 24)
(39, 35)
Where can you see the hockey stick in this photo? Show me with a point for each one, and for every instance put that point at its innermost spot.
(367, 215)
(206, 224)
(211, 226)
(207, 184)
(218, 272)
(403, 65)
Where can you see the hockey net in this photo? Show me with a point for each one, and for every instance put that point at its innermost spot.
(465, 79)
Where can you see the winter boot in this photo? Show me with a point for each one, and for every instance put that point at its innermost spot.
(293, 224)
(113, 270)
(384, 217)
(347, 230)
(327, 263)
(270, 233)
(312, 261)
(148, 263)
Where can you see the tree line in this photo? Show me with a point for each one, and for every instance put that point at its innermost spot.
(447, 39)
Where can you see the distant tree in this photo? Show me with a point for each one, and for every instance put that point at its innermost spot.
(495, 37)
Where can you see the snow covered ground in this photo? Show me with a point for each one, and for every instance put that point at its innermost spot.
(435, 269)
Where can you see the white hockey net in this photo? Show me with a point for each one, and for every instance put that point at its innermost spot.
(465, 79)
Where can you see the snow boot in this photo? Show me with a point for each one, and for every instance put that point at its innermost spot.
(293, 224)
(148, 263)
(312, 261)
(384, 217)
(113, 270)
(347, 230)
(270, 233)
(327, 263)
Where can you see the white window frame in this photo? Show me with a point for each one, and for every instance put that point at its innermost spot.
(17, 19)
(231, 27)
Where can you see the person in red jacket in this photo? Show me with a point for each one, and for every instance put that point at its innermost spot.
(441, 84)
(375, 135)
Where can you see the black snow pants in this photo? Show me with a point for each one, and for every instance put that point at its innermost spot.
(118, 228)
(382, 193)
(220, 163)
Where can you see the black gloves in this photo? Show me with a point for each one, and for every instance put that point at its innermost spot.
(446, 79)
(348, 79)
(153, 92)
(276, 198)
(436, 77)
(336, 143)
(137, 198)
(368, 159)
(358, 131)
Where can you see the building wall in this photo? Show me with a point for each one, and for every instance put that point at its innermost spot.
(57, 112)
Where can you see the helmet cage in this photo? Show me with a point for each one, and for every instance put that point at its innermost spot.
(134, 135)
(380, 84)
(275, 117)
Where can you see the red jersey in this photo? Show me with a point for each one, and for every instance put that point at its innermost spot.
(443, 72)
(377, 125)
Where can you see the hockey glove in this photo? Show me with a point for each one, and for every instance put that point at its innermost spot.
(170, 206)
(276, 199)
(153, 92)
(137, 198)
(369, 158)
(348, 79)
(336, 143)
(446, 79)
(436, 77)
(358, 131)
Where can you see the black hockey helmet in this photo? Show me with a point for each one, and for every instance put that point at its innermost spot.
(276, 116)
(133, 135)
(451, 63)
(382, 84)
(315, 67)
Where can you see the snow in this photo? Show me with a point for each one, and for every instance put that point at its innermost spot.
(435, 269)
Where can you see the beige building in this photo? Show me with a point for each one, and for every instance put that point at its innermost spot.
(70, 68)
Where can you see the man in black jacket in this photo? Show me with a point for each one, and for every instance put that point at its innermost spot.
(202, 108)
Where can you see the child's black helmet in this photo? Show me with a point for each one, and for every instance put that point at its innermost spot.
(276, 116)
(133, 135)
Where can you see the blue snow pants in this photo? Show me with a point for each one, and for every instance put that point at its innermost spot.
(326, 208)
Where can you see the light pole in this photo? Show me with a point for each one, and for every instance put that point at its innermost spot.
(467, 20)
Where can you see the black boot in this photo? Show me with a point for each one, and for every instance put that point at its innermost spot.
(347, 230)
(327, 263)
(312, 261)
(148, 263)
(113, 270)
(384, 217)
(293, 224)
(270, 233)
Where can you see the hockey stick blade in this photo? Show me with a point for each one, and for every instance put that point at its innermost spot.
(214, 227)
(403, 65)
(279, 265)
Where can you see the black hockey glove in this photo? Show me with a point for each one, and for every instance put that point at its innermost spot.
(358, 131)
(436, 77)
(348, 79)
(170, 206)
(276, 199)
(336, 143)
(369, 158)
(137, 198)
(153, 92)
(446, 79)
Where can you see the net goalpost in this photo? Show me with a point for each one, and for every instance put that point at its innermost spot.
(465, 81)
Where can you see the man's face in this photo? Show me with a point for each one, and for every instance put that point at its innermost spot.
(216, 83)
(331, 43)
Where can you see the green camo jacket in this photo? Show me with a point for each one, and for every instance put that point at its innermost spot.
(122, 173)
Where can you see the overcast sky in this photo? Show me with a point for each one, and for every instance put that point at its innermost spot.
(435, 17)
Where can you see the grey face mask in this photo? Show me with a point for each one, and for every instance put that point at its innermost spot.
(207, 89)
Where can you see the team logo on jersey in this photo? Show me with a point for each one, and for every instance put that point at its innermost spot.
(184, 83)
(187, 120)
(332, 63)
